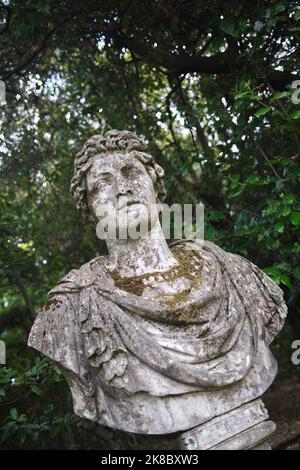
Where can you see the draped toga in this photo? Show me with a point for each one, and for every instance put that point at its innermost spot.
(149, 366)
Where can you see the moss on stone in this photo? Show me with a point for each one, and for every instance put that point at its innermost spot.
(189, 267)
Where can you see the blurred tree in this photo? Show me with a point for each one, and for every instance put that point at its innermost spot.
(210, 86)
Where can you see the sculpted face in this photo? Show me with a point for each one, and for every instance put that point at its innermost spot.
(121, 193)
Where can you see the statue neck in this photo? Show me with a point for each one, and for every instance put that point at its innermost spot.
(141, 256)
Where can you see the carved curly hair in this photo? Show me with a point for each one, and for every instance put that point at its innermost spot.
(112, 141)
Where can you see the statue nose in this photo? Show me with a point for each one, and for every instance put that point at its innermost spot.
(123, 188)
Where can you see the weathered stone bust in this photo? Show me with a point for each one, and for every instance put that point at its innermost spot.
(153, 339)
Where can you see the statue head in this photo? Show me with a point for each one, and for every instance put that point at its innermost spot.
(115, 170)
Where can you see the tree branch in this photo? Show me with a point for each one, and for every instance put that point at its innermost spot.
(28, 57)
(222, 63)
(25, 295)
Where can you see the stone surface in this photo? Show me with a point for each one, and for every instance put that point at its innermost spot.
(248, 439)
(225, 428)
(265, 445)
(155, 339)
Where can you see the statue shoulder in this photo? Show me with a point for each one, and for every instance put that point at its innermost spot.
(56, 331)
(255, 287)
(62, 300)
(77, 279)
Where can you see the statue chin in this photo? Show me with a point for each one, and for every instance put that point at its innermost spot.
(133, 222)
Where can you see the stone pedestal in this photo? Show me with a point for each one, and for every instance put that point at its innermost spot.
(244, 428)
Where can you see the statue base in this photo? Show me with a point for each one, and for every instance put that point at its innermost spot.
(244, 428)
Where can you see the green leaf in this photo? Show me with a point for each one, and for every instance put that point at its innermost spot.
(295, 218)
(297, 272)
(240, 95)
(235, 178)
(22, 418)
(43, 7)
(295, 115)
(286, 210)
(228, 26)
(216, 215)
(283, 266)
(255, 180)
(217, 43)
(288, 198)
(13, 413)
(279, 227)
(254, 97)
(262, 111)
(37, 390)
(286, 280)
(274, 273)
(279, 185)
(237, 190)
(279, 95)
(279, 7)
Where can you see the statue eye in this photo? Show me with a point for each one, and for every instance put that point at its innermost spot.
(100, 186)
(103, 183)
(133, 172)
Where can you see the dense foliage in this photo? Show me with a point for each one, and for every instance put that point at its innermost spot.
(209, 84)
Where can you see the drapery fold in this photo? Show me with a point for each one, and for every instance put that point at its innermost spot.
(94, 329)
